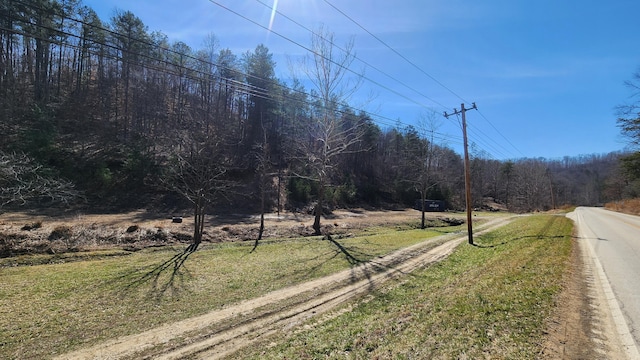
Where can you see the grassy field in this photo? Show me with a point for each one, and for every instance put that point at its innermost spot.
(485, 301)
(51, 309)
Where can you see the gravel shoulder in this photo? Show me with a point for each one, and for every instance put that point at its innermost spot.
(582, 324)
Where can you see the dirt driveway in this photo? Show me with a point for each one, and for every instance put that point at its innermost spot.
(579, 328)
(224, 331)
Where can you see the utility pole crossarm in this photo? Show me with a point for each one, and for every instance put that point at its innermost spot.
(467, 170)
(458, 112)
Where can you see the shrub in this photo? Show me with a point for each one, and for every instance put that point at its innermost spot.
(299, 190)
(32, 226)
(61, 232)
(629, 206)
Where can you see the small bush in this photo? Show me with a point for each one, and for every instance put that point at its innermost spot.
(32, 226)
(159, 235)
(61, 232)
(184, 238)
(299, 190)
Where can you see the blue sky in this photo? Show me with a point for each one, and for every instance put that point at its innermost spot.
(547, 74)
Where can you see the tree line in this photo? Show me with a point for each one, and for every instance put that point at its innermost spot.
(110, 114)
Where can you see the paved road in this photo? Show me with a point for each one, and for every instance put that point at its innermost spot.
(614, 240)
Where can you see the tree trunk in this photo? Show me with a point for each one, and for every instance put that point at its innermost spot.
(255, 244)
(318, 210)
(198, 226)
(261, 230)
(423, 197)
(261, 226)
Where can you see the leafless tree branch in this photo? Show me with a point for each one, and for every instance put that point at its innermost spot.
(23, 181)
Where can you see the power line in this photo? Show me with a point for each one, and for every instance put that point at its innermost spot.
(478, 133)
(458, 140)
(356, 57)
(274, 10)
(345, 68)
(418, 68)
(317, 54)
(396, 52)
(241, 87)
(499, 133)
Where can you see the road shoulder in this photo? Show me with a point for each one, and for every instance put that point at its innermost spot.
(582, 325)
(578, 328)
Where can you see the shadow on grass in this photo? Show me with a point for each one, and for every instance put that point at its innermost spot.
(364, 262)
(542, 234)
(352, 255)
(167, 276)
(535, 237)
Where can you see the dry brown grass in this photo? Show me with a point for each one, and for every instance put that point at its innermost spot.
(23, 234)
(62, 238)
(628, 206)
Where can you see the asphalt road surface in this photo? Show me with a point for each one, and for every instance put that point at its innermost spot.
(614, 242)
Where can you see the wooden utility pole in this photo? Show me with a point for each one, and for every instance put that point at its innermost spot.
(467, 169)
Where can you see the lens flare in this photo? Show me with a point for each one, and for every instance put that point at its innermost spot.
(274, 8)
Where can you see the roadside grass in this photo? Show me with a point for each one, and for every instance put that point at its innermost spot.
(484, 301)
(50, 309)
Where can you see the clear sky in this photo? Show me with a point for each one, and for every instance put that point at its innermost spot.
(547, 74)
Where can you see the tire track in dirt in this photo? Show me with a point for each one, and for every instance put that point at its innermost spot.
(222, 332)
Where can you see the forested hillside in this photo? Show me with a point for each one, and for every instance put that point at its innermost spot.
(106, 113)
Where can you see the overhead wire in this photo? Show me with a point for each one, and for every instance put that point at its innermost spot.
(413, 64)
(242, 87)
(478, 133)
(355, 56)
(313, 33)
(394, 50)
(312, 51)
(473, 140)
(318, 54)
(500, 133)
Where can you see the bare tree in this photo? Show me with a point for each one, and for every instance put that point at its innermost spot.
(421, 158)
(507, 172)
(629, 124)
(264, 168)
(531, 185)
(199, 174)
(328, 137)
(629, 113)
(23, 181)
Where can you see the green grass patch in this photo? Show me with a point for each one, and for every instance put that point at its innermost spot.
(484, 301)
(53, 308)
(42, 259)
